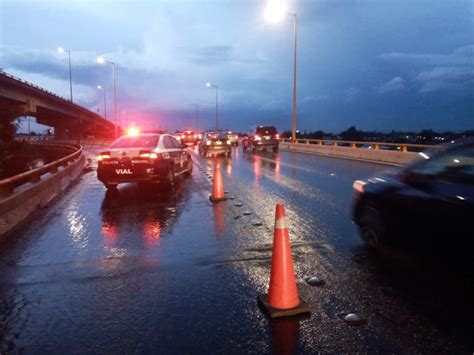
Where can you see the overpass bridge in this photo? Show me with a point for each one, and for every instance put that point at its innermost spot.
(21, 98)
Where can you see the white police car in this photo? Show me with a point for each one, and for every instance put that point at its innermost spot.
(144, 158)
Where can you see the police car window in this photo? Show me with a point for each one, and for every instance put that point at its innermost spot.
(176, 143)
(136, 142)
(456, 166)
(168, 143)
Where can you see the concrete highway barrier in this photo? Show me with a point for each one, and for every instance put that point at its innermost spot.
(23, 194)
(395, 154)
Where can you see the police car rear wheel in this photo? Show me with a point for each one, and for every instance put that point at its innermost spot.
(170, 177)
(189, 169)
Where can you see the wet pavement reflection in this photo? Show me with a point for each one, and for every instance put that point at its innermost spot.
(148, 270)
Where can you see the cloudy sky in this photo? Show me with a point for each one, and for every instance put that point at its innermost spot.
(378, 65)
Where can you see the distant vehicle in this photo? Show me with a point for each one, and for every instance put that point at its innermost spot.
(233, 137)
(215, 144)
(189, 138)
(144, 158)
(428, 205)
(265, 137)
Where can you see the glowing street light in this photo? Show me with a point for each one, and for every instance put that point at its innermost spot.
(217, 105)
(273, 13)
(99, 87)
(62, 50)
(101, 60)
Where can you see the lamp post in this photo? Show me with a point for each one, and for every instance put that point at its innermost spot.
(275, 12)
(105, 100)
(217, 104)
(101, 60)
(197, 116)
(62, 50)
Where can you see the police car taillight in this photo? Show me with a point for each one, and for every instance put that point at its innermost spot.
(103, 155)
(148, 154)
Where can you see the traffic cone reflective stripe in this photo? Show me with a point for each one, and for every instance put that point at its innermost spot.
(280, 223)
(283, 293)
(218, 186)
(282, 299)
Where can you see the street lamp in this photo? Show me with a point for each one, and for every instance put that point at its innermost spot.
(62, 50)
(105, 100)
(217, 105)
(197, 116)
(273, 13)
(101, 60)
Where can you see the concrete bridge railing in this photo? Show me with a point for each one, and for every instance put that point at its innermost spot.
(8, 185)
(381, 152)
(22, 194)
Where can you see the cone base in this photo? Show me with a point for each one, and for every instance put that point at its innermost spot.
(301, 308)
(217, 199)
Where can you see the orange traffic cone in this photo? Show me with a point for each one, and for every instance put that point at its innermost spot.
(218, 185)
(282, 299)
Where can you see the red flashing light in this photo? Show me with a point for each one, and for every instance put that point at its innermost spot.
(133, 131)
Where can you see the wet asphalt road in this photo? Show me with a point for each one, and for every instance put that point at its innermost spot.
(151, 271)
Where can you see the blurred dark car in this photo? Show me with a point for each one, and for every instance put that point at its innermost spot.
(215, 143)
(265, 137)
(427, 206)
(189, 138)
(143, 158)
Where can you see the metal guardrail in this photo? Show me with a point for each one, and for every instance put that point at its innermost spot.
(99, 143)
(403, 147)
(88, 143)
(8, 185)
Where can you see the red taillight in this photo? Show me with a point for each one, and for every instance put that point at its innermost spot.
(103, 155)
(277, 136)
(148, 154)
(257, 137)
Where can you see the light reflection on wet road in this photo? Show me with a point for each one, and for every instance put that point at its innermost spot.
(146, 270)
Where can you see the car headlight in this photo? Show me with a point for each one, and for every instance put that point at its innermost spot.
(358, 185)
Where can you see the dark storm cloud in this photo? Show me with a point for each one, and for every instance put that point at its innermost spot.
(48, 65)
(376, 65)
(451, 73)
